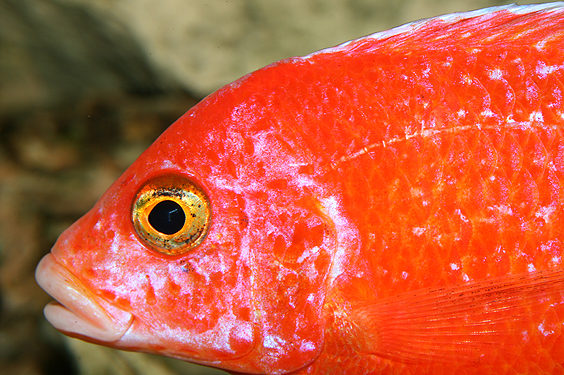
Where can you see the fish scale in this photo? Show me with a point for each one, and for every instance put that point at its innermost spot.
(392, 205)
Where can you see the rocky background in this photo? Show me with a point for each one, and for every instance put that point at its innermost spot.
(86, 85)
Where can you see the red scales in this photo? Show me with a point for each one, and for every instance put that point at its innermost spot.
(392, 205)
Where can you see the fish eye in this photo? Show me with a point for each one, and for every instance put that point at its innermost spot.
(167, 217)
(171, 214)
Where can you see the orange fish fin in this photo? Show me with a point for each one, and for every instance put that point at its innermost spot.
(467, 323)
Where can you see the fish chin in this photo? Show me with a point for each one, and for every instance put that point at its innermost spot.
(76, 311)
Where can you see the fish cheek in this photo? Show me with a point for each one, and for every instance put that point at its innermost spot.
(195, 307)
(198, 309)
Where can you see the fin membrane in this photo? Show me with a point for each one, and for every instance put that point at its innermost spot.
(464, 323)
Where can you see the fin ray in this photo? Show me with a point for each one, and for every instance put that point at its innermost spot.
(464, 322)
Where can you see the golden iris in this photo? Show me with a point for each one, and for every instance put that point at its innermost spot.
(171, 214)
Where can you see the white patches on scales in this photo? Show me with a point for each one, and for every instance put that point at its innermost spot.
(347, 235)
(545, 332)
(543, 70)
(545, 212)
(495, 74)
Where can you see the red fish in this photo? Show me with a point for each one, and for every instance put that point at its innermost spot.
(393, 205)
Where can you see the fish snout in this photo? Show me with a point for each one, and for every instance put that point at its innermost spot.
(76, 311)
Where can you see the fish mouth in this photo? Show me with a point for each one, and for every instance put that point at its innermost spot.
(76, 311)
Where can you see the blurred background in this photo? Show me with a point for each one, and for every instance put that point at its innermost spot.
(87, 85)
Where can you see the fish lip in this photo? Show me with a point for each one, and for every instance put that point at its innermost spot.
(76, 311)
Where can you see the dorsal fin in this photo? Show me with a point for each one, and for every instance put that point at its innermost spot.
(466, 323)
(509, 24)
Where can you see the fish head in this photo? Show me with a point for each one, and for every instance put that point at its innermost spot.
(237, 281)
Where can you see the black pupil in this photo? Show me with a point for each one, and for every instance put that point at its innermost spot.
(167, 217)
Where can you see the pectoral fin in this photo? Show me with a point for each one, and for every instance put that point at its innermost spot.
(468, 322)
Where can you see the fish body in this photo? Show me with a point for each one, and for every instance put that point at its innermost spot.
(393, 205)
